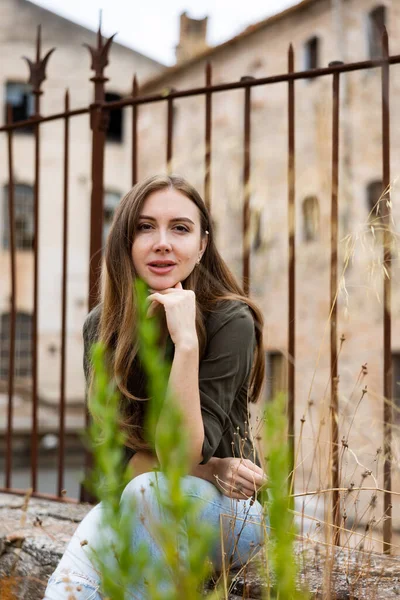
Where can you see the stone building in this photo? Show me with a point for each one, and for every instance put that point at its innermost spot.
(321, 31)
(68, 67)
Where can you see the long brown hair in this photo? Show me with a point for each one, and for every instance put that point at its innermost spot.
(212, 282)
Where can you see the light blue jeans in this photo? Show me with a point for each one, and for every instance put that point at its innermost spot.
(240, 524)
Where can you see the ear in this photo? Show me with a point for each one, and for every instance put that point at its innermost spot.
(203, 244)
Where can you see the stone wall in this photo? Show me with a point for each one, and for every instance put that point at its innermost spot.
(34, 533)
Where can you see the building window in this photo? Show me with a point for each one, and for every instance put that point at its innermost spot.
(111, 201)
(376, 25)
(310, 219)
(24, 218)
(311, 53)
(374, 194)
(23, 345)
(20, 97)
(257, 230)
(115, 125)
(396, 383)
(276, 374)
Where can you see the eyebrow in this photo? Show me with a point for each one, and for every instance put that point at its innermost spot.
(175, 220)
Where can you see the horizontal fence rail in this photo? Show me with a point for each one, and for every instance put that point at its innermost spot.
(97, 114)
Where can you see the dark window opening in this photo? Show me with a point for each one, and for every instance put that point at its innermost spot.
(23, 218)
(310, 219)
(19, 96)
(396, 384)
(276, 374)
(376, 26)
(23, 345)
(115, 125)
(311, 48)
(257, 234)
(111, 201)
(374, 197)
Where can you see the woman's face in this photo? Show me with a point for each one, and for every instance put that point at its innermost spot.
(167, 241)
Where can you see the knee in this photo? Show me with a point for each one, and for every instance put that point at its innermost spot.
(140, 488)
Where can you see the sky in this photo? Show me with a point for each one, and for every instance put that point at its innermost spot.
(152, 26)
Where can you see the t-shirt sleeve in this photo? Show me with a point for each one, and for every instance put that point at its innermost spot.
(223, 370)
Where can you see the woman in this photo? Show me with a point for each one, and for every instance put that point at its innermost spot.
(212, 333)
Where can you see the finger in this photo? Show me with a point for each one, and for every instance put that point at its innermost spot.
(240, 484)
(237, 486)
(157, 297)
(152, 308)
(250, 465)
(174, 289)
(165, 292)
(232, 492)
(251, 476)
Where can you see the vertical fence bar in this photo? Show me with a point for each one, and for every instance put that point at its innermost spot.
(37, 76)
(387, 318)
(134, 131)
(96, 205)
(98, 124)
(246, 187)
(11, 362)
(334, 406)
(34, 440)
(170, 133)
(292, 259)
(207, 158)
(61, 427)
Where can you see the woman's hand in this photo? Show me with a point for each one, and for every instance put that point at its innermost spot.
(237, 478)
(180, 312)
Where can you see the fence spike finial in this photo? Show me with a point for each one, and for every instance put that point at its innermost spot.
(99, 35)
(66, 99)
(100, 54)
(135, 85)
(208, 73)
(37, 69)
(38, 43)
(291, 57)
(385, 43)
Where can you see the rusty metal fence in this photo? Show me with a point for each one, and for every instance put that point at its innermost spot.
(99, 112)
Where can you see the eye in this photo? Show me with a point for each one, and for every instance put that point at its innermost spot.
(143, 226)
(182, 228)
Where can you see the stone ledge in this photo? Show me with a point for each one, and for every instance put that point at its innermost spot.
(33, 538)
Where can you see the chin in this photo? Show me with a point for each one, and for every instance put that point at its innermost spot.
(161, 283)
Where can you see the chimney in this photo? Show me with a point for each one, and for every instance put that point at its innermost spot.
(192, 37)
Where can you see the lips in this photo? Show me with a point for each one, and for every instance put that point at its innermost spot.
(161, 267)
(162, 263)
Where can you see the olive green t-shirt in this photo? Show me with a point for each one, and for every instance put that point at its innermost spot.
(224, 372)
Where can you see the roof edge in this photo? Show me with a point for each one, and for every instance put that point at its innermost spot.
(249, 30)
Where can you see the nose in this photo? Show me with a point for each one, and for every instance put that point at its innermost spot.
(162, 243)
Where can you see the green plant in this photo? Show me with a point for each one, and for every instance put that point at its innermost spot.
(281, 560)
(120, 570)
